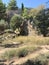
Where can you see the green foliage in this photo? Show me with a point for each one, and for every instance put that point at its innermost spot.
(12, 5)
(22, 7)
(22, 52)
(2, 10)
(24, 12)
(34, 11)
(15, 22)
(0, 1)
(43, 21)
(3, 25)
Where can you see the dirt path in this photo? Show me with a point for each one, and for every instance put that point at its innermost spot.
(44, 49)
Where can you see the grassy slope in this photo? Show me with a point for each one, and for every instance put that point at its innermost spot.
(29, 44)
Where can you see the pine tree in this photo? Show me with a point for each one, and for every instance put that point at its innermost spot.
(22, 7)
(12, 5)
(2, 9)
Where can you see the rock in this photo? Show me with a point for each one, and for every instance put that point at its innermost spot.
(11, 36)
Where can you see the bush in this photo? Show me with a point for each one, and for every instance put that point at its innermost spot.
(15, 22)
(3, 25)
(43, 22)
(22, 53)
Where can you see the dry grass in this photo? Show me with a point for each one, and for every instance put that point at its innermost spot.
(33, 40)
(30, 43)
(30, 40)
(17, 52)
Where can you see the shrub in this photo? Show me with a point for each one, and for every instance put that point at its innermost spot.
(3, 25)
(43, 22)
(15, 22)
(22, 53)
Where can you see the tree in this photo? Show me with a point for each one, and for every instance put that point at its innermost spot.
(3, 25)
(15, 22)
(12, 5)
(2, 10)
(33, 12)
(22, 8)
(0, 1)
(25, 13)
(43, 21)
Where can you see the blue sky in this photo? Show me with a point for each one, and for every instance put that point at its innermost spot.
(29, 3)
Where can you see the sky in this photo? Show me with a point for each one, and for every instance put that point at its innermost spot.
(29, 3)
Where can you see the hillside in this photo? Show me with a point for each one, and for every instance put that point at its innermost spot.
(23, 48)
(24, 34)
